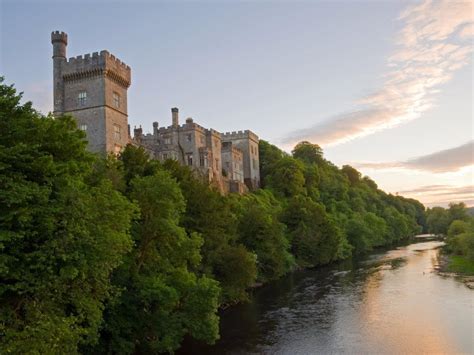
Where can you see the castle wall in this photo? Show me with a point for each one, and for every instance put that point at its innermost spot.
(93, 89)
(115, 141)
(93, 118)
(232, 162)
(101, 111)
(247, 142)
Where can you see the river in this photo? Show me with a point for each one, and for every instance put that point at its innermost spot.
(390, 302)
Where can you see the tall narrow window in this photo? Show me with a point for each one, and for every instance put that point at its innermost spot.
(117, 134)
(116, 97)
(82, 98)
(83, 127)
(190, 159)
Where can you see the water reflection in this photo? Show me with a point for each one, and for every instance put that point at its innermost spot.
(391, 302)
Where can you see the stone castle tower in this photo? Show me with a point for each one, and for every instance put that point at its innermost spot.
(93, 89)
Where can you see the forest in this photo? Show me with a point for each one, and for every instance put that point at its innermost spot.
(129, 255)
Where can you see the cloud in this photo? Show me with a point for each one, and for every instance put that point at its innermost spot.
(441, 195)
(443, 161)
(434, 42)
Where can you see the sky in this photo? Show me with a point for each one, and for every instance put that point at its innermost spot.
(385, 86)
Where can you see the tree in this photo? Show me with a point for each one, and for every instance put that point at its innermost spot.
(261, 232)
(287, 178)
(308, 153)
(458, 211)
(162, 299)
(315, 239)
(352, 174)
(458, 227)
(62, 233)
(210, 214)
(269, 155)
(437, 220)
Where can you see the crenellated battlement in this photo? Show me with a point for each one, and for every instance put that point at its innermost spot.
(247, 134)
(57, 36)
(96, 64)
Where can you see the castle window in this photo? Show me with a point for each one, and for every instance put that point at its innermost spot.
(189, 157)
(83, 127)
(165, 156)
(189, 137)
(116, 97)
(254, 163)
(203, 160)
(217, 164)
(117, 134)
(167, 140)
(82, 98)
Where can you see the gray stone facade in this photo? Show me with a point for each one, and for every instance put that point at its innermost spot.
(93, 89)
(219, 158)
(247, 142)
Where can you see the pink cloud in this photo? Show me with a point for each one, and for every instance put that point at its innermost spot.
(435, 41)
(443, 161)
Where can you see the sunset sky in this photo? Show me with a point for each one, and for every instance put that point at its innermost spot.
(385, 86)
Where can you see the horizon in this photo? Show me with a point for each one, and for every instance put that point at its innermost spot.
(418, 73)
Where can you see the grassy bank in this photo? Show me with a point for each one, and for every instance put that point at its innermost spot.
(461, 265)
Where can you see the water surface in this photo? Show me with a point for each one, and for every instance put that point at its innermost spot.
(391, 302)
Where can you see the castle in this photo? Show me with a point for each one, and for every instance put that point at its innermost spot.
(93, 89)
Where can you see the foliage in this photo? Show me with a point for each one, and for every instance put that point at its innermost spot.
(212, 216)
(62, 233)
(162, 299)
(314, 235)
(262, 233)
(129, 255)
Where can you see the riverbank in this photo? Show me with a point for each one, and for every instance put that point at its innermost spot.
(456, 266)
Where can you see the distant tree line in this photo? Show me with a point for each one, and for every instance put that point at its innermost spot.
(457, 224)
(129, 255)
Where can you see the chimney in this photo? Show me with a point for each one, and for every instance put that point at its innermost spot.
(175, 116)
(155, 128)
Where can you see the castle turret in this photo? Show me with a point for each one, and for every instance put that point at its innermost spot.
(59, 41)
(93, 89)
(175, 117)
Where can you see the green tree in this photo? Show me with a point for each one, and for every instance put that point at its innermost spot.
(62, 233)
(261, 232)
(458, 227)
(211, 215)
(308, 153)
(352, 174)
(437, 220)
(287, 178)
(315, 238)
(162, 299)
